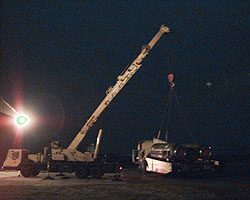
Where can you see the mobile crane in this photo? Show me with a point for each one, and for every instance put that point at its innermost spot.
(70, 159)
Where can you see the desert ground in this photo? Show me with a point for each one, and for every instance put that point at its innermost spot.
(130, 185)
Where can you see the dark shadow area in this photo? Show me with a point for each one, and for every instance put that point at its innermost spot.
(6, 137)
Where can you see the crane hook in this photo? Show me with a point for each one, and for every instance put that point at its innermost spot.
(171, 79)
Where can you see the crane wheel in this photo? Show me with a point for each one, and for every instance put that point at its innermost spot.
(81, 172)
(27, 168)
(96, 172)
(35, 169)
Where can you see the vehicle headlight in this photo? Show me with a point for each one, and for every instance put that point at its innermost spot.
(180, 152)
(205, 153)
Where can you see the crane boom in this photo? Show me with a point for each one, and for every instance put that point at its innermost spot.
(122, 79)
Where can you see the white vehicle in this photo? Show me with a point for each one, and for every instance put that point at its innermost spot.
(70, 159)
(163, 157)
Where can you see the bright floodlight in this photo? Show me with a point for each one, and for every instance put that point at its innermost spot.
(21, 120)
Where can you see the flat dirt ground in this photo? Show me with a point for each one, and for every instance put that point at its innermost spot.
(130, 185)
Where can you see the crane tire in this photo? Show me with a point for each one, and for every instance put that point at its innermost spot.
(27, 167)
(81, 172)
(96, 172)
(36, 169)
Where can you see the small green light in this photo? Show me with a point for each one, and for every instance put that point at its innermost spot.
(21, 120)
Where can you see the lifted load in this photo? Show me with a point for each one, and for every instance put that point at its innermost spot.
(163, 157)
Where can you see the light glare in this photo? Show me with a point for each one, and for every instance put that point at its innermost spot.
(21, 120)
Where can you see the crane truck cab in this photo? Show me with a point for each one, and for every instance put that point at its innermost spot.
(28, 164)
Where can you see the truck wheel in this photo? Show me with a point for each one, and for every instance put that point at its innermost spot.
(81, 172)
(27, 167)
(35, 170)
(96, 172)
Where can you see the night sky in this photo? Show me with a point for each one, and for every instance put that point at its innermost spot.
(58, 59)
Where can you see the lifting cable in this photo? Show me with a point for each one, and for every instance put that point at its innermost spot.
(189, 130)
(168, 109)
(170, 79)
(169, 101)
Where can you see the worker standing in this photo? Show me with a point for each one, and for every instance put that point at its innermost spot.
(144, 165)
